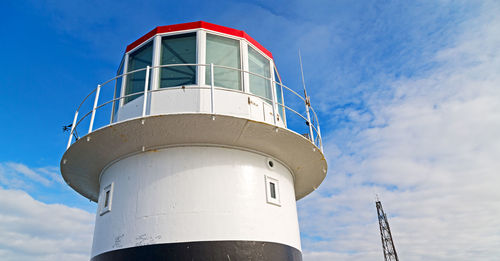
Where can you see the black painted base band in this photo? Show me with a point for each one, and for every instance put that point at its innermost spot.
(205, 251)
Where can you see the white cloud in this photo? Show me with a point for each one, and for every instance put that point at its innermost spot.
(32, 230)
(434, 162)
(18, 175)
(29, 173)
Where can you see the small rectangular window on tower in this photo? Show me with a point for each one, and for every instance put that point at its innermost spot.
(106, 201)
(272, 191)
(106, 198)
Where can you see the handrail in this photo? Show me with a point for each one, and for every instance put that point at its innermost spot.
(315, 133)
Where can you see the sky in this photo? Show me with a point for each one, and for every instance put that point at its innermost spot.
(407, 94)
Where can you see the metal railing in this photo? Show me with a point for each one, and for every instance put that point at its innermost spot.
(309, 120)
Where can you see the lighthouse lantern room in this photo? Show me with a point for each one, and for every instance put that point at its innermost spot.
(191, 152)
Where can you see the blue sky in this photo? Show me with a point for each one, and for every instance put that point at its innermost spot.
(407, 94)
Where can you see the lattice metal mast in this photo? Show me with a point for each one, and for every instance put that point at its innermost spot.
(385, 234)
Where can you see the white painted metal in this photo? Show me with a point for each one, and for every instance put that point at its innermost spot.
(201, 56)
(311, 133)
(244, 58)
(155, 73)
(212, 86)
(146, 85)
(97, 92)
(233, 103)
(112, 114)
(124, 82)
(175, 100)
(319, 135)
(185, 194)
(283, 104)
(72, 130)
(131, 109)
(273, 92)
(85, 159)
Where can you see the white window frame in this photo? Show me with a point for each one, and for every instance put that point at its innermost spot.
(197, 51)
(239, 39)
(270, 63)
(127, 54)
(274, 201)
(108, 190)
(124, 82)
(201, 42)
(273, 91)
(244, 57)
(155, 63)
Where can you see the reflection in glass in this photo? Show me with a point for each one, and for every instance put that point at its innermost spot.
(272, 187)
(137, 60)
(118, 89)
(178, 49)
(226, 52)
(258, 64)
(279, 96)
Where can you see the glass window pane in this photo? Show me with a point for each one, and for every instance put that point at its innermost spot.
(272, 187)
(118, 89)
(279, 95)
(226, 52)
(137, 60)
(258, 64)
(178, 49)
(106, 201)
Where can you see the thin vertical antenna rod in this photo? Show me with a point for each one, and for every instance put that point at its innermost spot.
(302, 73)
(385, 234)
(308, 103)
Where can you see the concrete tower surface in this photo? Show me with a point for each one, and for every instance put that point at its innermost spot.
(191, 152)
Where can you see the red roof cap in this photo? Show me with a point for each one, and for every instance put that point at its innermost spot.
(195, 25)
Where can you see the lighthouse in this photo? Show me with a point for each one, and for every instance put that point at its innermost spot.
(195, 150)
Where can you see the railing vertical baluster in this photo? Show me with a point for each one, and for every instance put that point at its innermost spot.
(113, 103)
(283, 109)
(311, 137)
(146, 83)
(72, 130)
(212, 88)
(319, 135)
(98, 91)
(273, 93)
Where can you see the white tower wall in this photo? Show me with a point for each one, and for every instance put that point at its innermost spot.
(195, 193)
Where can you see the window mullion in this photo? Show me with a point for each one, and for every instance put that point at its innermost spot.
(244, 59)
(156, 62)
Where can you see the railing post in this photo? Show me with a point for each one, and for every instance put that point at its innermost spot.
(114, 100)
(273, 93)
(212, 88)
(72, 130)
(113, 108)
(283, 108)
(98, 91)
(319, 134)
(311, 137)
(146, 83)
